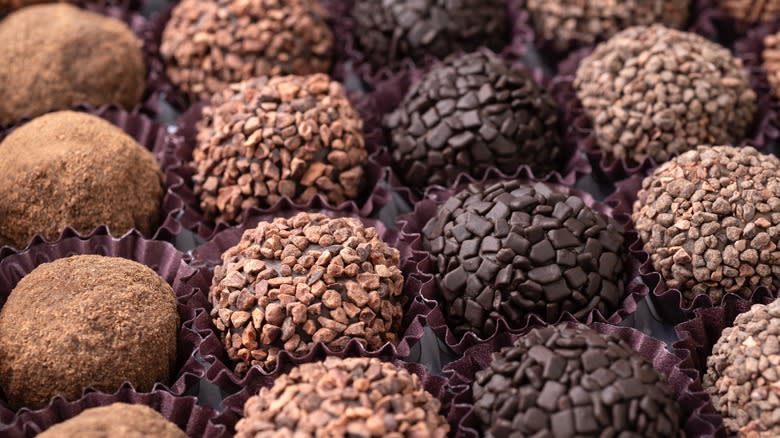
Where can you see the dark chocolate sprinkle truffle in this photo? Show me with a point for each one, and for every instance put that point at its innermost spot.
(86, 321)
(389, 31)
(293, 136)
(567, 381)
(751, 11)
(771, 58)
(207, 44)
(652, 92)
(742, 373)
(56, 56)
(353, 397)
(291, 283)
(471, 113)
(709, 220)
(115, 420)
(508, 250)
(78, 170)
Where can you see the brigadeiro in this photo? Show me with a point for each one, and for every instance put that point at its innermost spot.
(344, 397)
(751, 11)
(116, 419)
(207, 45)
(268, 138)
(509, 250)
(56, 56)
(771, 60)
(291, 283)
(709, 220)
(75, 169)
(86, 321)
(652, 92)
(468, 114)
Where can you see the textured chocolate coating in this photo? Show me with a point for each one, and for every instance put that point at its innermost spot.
(78, 170)
(360, 397)
(771, 59)
(209, 44)
(751, 11)
(471, 113)
(86, 321)
(115, 420)
(508, 250)
(709, 220)
(291, 283)
(56, 56)
(294, 136)
(566, 381)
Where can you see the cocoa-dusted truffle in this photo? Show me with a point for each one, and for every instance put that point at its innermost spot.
(86, 321)
(344, 397)
(652, 92)
(709, 220)
(78, 170)
(116, 419)
(771, 57)
(207, 45)
(56, 56)
(751, 11)
(742, 373)
(471, 113)
(389, 31)
(507, 250)
(291, 283)
(567, 381)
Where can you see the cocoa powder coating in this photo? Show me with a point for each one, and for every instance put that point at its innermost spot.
(115, 420)
(8, 6)
(78, 170)
(751, 11)
(86, 321)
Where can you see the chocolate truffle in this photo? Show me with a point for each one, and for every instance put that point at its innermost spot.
(78, 170)
(291, 283)
(742, 375)
(471, 113)
(508, 250)
(115, 420)
(567, 24)
(360, 397)
(569, 380)
(391, 30)
(86, 321)
(771, 59)
(709, 220)
(293, 136)
(653, 92)
(56, 56)
(751, 11)
(207, 45)
(8, 6)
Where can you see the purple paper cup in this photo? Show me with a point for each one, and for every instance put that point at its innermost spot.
(717, 24)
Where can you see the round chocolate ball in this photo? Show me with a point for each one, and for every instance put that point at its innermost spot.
(56, 56)
(742, 373)
(116, 419)
(291, 283)
(471, 113)
(8, 6)
(653, 92)
(74, 169)
(771, 60)
(508, 250)
(751, 11)
(569, 380)
(391, 30)
(86, 321)
(709, 220)
(361, 397)
(208, 45)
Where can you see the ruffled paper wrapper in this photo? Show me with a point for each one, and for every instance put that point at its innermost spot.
(698, 415)
(411, 226)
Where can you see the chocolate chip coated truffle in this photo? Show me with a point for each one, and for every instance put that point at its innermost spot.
(56, 56)
(471, 113)
(115, 420)
(709, 220)
(207, 45)
(293, 136)
(508, 250)
(344, 397)
(771, 58)
(652, 92)
(391, 30)
(566, 381)
(742, 373)
(86, 321)
(751, 11)
(78, 170)
(291, 283)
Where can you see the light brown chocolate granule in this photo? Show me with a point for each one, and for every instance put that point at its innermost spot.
(115, 420)
(771, 57)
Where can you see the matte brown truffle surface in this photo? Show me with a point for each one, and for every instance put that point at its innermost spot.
(115, 420)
